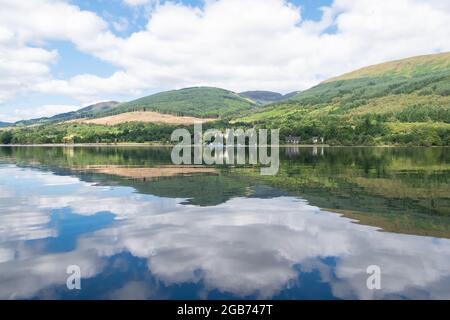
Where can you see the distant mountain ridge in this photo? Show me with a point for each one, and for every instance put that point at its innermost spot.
(203, 102)
(262, 97)
(85, 112)
(5, 124)
(266, 97)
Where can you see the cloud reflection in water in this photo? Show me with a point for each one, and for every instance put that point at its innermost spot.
(246, 247)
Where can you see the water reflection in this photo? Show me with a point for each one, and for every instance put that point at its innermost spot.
(138, 245)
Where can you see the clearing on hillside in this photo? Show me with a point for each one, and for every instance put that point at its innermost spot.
(141, 116)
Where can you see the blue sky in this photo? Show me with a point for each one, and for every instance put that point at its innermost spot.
(62, 55)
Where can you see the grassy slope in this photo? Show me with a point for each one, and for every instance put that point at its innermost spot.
(398, 97)
(146, 117)
(405, 67)
(197, 102)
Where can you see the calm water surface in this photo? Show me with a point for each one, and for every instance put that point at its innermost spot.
(140, 228)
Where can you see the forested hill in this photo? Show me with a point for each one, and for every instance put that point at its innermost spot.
(405, 101)
(203, 102)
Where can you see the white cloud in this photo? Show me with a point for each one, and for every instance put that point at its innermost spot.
(235, 44)
(250, 44)
(42, 111)
(21, 67)
(24, 28)
(136, 2)
(85, 86)
(120, 24)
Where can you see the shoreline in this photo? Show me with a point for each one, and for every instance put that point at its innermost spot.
(165, 145)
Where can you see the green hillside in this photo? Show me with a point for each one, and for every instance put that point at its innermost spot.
(198, 102)
(405, 67)
(399, 102)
